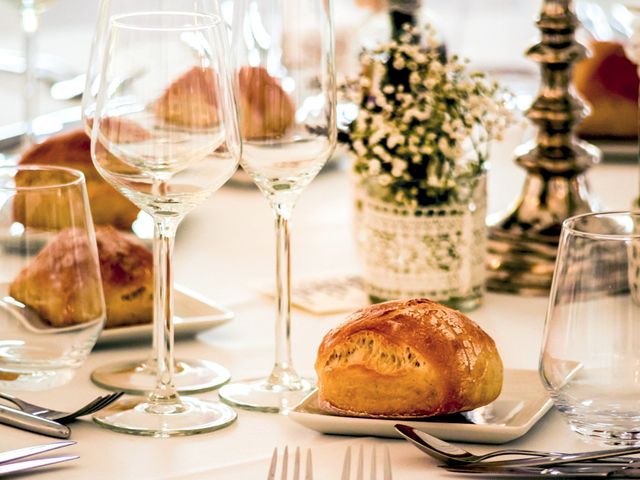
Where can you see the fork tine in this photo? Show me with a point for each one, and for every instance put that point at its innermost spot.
(272, 468)
(346, 466)
(309, 471)
(105, 401)
(387, 465)
(374, 473)
(285, 463)
(296, 465)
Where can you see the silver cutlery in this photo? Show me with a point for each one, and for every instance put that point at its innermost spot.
(562, 471)
(63, 417)
(308, 475)
(13, 460)
(7, 468)
(32, 423)
(453, 455)
(373, 471)
(20, 453)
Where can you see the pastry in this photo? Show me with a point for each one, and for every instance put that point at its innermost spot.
(51, 284)
(126, 266)
(62, 283)
(259, 90)
(608, 81)
(191, 100)
(407, 358)
(73, 149)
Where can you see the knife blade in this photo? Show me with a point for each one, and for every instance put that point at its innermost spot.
(38, 462)
(13, 455)
(32, 423)
(564, 471)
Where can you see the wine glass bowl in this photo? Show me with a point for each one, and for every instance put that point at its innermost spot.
(286, 95)
(52, 305)
(166, 143)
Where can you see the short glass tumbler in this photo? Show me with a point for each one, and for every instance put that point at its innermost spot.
(51, 301)
(590, 359)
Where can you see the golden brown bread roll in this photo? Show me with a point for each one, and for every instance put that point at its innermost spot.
(52, 283)
(191, 100)
(608, 81)
(407, 358)
(62, 283)
(73, 149)
(126, 266)
(258, 90)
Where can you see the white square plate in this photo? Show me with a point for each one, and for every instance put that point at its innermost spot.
(521, 404)
(193, 314)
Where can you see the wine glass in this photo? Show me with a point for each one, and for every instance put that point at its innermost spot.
(166, 143)
(590, 359)
(138, 376)
(285, 85)
(51, 300)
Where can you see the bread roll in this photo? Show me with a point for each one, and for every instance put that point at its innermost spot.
(191, 100)
(54, 284)
(608, 81)
(73, 150)
(407, 358)
(126, 266)
(62, 283)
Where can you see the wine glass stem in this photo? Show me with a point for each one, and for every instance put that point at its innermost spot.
(283, 372)
(165, 394)
(30, 23)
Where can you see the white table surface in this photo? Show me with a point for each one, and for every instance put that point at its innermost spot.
(224, 249)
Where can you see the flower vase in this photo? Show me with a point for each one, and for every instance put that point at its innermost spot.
(435, 251)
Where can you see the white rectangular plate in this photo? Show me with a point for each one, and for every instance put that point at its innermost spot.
(521, 404)
(193, 314)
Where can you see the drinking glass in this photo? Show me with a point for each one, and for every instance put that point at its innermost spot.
(166, 143)
(285, 83)
(590, 359)
(30, 11)
(138, 375)
(51, 301)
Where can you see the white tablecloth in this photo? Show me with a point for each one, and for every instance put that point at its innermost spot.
(224, 249)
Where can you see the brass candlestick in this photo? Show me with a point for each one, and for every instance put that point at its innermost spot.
(523, 243)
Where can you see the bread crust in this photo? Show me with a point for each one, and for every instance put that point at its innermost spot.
(73, 150)
(407, 358)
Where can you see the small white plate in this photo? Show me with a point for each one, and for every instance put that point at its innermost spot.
(193, 314)
(521, 404)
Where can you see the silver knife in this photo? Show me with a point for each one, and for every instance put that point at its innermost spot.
(32, 423)
(29, 464)
(563, 471)
(13, 455)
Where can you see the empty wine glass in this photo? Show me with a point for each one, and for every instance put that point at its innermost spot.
(285, 84)
(138, 375)
(166, 143)
(590, 360)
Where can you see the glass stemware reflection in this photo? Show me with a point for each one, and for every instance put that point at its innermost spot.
(590, 358)
(138, 376)
(167, 144)
(285, 84)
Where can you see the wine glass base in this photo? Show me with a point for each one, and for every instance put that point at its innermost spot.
(260, 395)
(138, 378)
(195, 416)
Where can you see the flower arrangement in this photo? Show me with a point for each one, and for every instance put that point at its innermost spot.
(424, 122)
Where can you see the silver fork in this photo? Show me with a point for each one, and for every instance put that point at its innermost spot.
(308, 475)
(63, 417)
(386, 465)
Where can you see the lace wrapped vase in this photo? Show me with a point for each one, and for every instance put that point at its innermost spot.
(436, 252)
